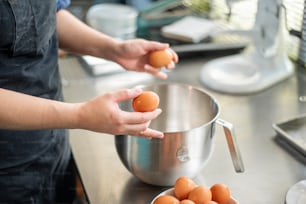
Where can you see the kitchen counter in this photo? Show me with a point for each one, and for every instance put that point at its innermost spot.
(271, 166)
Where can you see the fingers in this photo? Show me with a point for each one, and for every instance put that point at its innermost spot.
(141, 130)
(126, 94)
(137, 123)
(154, 45)
(162, 46)
(174, 56)
(149, 134)
(171, 65)
(140, 117)
(155, 72)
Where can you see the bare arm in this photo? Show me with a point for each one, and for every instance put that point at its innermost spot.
(23, 112)
(75, 36)
(101, 114)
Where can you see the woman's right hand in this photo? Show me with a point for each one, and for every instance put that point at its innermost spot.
(103, 114)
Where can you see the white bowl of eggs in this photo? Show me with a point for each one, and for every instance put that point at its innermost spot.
(186, 191)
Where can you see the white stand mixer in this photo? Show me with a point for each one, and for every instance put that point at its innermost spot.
(265, 61)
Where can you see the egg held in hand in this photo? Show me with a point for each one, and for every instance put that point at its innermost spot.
(160, 58)
(147, 101)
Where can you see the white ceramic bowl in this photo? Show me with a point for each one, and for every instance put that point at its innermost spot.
(296, 194)
(171, 192)
(113, 19)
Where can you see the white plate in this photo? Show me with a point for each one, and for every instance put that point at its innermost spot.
(297, 193)
(171, 192)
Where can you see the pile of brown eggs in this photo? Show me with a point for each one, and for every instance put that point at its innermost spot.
(186, 191)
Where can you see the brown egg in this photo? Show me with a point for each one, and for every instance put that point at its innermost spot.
(166, 199)
(146, 101)
(211, 202)
(220, 193)
(187, 202)
(160, 58)
(182, 187)
(200, 194)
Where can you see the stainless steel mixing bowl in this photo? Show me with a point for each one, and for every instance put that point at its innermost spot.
(188, 122)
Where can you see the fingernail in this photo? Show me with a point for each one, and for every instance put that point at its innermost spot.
(162, 75)
(160, 136)
(147, 67)
(171, 65)
(159, 111)
(136, 90)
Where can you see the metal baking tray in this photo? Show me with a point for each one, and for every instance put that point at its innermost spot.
(294, 132)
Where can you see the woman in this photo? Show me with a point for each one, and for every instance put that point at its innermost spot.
(34, 147)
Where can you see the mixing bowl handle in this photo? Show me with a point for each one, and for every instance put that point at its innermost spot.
(232, 145)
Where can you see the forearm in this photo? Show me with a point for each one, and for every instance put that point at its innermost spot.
(75, 36)
(23, 112)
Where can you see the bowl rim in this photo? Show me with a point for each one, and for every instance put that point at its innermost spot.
(195, 88)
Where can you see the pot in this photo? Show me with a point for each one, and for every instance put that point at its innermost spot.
(188, 122)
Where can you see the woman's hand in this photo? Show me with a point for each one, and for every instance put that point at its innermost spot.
(133, 55)
(76, 37)
(103, 114)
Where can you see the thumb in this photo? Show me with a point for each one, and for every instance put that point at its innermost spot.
(158, 46)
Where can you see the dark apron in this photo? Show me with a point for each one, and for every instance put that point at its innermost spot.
(33, 164)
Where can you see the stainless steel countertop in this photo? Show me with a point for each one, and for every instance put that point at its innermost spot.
(270, 168)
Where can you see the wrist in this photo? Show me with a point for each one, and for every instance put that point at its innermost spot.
(112, 52)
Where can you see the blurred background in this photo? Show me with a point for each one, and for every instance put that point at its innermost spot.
(153, 14)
